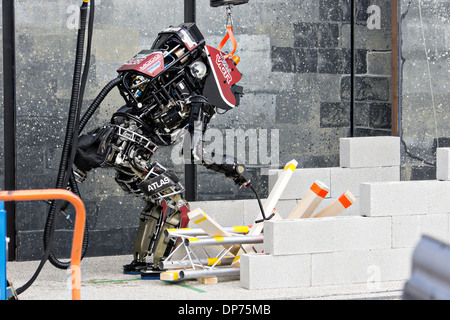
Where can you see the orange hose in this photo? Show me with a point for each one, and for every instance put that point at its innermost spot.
(78, 233)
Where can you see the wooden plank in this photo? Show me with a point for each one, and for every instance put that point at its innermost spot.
(206, 223)
(268, 206)
(170, 275)
(310, 201)
(211, 227)
(274, 195)
(209, 280)
(337, 206)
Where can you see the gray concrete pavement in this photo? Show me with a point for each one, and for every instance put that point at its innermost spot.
(102, 279)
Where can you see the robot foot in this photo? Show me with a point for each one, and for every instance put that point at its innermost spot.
(135, 267)
(151, 273)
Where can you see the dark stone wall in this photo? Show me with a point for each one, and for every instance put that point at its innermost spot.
(425, 94)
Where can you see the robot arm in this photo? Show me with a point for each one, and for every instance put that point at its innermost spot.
(228, 166)
(201, 113)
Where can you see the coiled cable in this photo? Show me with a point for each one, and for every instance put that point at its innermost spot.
(67, 155)
(50, 225)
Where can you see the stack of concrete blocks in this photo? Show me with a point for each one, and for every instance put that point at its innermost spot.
(372, 247)
(367, 159)
(364, 160)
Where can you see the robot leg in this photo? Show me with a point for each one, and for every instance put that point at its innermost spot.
(149, 223)
(175, 211)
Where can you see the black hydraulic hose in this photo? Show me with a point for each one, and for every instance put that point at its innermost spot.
(82, 123)
(69, 179)
(62, 178)
(100, 97)
(50, 227)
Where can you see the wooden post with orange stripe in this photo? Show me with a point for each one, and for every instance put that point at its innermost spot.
(310, 201)
(269, 206)
(337, 206)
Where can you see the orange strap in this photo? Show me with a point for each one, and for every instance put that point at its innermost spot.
(228, 36)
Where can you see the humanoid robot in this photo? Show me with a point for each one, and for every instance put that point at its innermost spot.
(173, 89)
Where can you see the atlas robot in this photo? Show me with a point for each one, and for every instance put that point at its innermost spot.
(170, 91)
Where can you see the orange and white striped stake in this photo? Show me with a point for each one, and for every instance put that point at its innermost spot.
(310, 201)
(337, 206)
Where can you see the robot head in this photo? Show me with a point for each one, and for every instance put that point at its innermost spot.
(180, 65)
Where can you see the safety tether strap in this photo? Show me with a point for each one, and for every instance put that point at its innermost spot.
(228, 36)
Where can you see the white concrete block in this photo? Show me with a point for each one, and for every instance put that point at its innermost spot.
(301, 181)
(342, 267)
(389, 265)
(362, 233)
(393, 198)
(369, 152)
(443, 164)
(290, 237)
(438, 197)
(284, 207)
(343, 179)
(408, 230)
(226, 212)
(262, 271)
(285, 237)
(390, 173)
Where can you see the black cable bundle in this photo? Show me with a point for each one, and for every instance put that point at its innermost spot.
(70, 143)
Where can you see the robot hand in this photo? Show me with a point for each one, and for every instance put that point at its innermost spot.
(228, 166)
(242, 177)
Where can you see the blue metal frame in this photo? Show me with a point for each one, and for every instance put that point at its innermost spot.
(3, 282)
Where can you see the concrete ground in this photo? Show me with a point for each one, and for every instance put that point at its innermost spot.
(103, 279)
